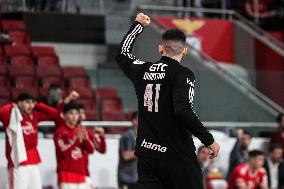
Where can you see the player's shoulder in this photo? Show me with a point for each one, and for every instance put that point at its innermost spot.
(242, 169)
(261, 171)
(126, 134)
(183, 71)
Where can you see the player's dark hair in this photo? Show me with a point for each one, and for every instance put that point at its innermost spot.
(255, 153)
(273, 147)
(279, 118)
(134, 115)
(201, 148)
(174, 35)
(25, 96)
(70, 106)
(246, 132)
(81, 106)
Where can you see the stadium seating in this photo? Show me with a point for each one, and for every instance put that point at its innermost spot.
(25, 81)
(85, 93)
(79, 82)
(23, 70)
(3, 70)
(19, 54)
(9, 25)
(112, 109)
(74, 71)
(4, 101)
(45, 55)
(47, 81)
(103, 93)
(5, 92)
(16, 91)
(48, 71)
(4, 81)
(19, 38)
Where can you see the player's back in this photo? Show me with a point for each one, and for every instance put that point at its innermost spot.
(159, 133)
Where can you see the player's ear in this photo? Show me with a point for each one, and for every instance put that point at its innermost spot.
(161, 49)
(185, 51)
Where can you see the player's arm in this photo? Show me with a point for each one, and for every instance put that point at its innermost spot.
(46, 113)
(87, 143)
(125, 149)
(183, 93)
(100, 144)
(125, 59)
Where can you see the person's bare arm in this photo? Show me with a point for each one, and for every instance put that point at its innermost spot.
(128, 155)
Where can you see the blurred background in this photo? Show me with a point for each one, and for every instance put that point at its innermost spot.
(51, 47)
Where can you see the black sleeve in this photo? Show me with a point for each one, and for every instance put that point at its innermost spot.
(127, 61)
(183, 93)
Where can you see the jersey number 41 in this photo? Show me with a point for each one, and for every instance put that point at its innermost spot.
(148, 97)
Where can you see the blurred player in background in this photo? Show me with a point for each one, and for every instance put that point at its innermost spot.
(97, 136)
(127, 167)
(72, 142)
(165, 91)
(249, 175)
(20, 121)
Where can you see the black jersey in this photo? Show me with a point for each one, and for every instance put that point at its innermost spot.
(165, 91)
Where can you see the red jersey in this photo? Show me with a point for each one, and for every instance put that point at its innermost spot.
(242, 176)
(70, 153)
(100, 146)
(29, 125)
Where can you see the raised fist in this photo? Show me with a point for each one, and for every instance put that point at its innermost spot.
(143, 19)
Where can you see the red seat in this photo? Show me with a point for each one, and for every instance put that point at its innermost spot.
(91, 115)
(86, 93)
(23, 70)
(74, 71)
(8, 25)
(19, 54)
(113, 116)
(5, 92)
(16, 91)
(25, 81)
(79, 82)
(88, 103)
(4, 101)
(19, 38)
(17, 50)
(47, 81)
(3, 70)
(111, 105)
(102, 93)
(39, 51)
(48, 61)
(43, 92)
(20, 60)
(116, 130)
(4, 82)
(48, 71)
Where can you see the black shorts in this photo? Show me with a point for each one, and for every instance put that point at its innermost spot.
(168, 174)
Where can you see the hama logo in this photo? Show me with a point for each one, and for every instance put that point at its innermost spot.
(155, 147)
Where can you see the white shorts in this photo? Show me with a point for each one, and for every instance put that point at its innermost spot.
(89, 182)
(64, 185)
(24, 177)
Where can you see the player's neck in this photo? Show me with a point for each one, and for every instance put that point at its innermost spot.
(252, 169)
(177, 58)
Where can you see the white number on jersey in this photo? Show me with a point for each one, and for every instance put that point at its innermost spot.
(148, 97)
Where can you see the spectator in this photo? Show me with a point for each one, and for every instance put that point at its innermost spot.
(20, 121)
(275, 167)
(54, 96)
(239, 154)
(98, 141)
(249, 175)
(278, 135)
(127, 167)
(72, 142)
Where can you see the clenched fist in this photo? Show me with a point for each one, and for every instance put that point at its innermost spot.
(143, 19)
